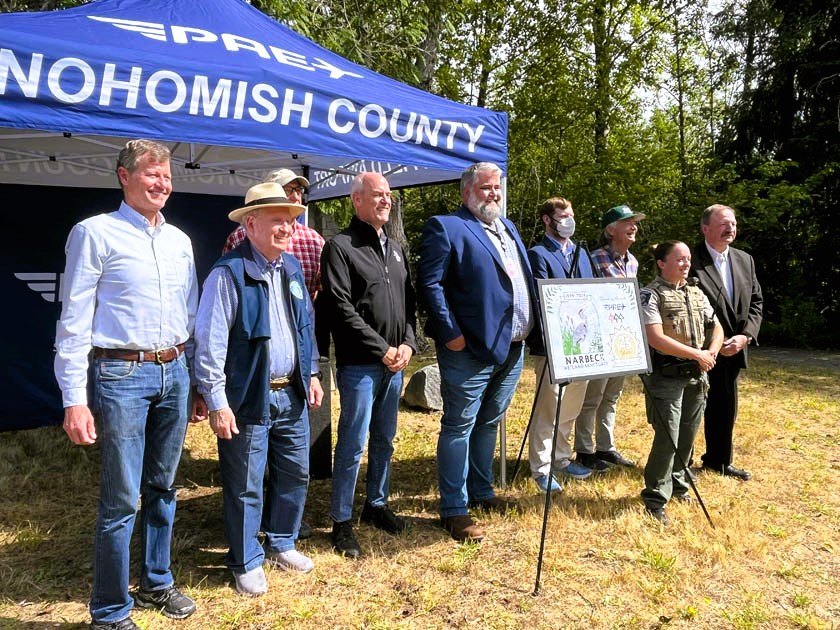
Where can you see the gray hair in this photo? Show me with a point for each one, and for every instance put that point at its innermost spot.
(359, 181)
(471, 174)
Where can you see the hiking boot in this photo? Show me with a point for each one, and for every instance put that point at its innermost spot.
(169, 601)
(344, 542)
(383, 517)
(658, 514)
(462, 528)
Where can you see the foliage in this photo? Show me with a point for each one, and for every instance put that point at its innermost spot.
(782, 147)
(664, 105)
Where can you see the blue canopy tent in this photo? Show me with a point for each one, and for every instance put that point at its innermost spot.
(233, 93)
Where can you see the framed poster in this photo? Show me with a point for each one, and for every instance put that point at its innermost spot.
(593, 328)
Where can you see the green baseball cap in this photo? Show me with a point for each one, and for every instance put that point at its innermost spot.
(618, 213)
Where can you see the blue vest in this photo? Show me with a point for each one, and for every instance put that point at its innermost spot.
(247, 365)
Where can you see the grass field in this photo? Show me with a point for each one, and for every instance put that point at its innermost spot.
(770, 562)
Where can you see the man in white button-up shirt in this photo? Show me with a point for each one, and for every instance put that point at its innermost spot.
(130, 296)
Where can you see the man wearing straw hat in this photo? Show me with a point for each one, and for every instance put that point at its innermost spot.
(257, 369)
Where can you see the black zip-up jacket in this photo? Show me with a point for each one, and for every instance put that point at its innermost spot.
(370, 302)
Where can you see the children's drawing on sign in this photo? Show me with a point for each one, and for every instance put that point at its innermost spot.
(579, 329)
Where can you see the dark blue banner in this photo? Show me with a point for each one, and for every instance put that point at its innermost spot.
(38, 220)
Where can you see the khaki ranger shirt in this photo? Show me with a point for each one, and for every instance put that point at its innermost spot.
(684, 312)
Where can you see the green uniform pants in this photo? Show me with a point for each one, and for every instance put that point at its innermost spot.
(674, 406)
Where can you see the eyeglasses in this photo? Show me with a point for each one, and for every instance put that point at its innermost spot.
(295, 189)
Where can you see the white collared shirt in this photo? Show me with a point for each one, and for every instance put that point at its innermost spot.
(724, 267)
(127, 284)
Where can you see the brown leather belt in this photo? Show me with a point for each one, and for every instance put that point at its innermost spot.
(164, 355)
(279, 383)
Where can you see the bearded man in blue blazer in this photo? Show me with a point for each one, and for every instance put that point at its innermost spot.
(476, 285)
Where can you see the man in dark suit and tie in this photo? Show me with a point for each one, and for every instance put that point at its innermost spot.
(476, 285)
(727, 276)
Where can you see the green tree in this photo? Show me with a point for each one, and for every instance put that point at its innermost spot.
(782, 142)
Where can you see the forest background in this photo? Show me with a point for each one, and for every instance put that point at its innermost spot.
(667, 106)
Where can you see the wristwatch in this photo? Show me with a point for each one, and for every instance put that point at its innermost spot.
(319, 375)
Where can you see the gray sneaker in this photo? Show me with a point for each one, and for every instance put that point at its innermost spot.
(290, 560)
(252, 583)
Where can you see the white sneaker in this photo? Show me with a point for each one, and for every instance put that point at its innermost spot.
(291, 560)
(252, 583)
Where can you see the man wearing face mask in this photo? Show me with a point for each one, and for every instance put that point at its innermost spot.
(556, 257)
(595, 426)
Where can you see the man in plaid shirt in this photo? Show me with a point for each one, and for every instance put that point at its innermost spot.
(306, 244)
(595, 425)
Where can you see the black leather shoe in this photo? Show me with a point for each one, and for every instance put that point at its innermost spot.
(304, 531)
(658, 514)
(614, 457)
(730, 471)
(122, 624)
(592, 461)
(383, 517)
(169, 601)
(344, 542)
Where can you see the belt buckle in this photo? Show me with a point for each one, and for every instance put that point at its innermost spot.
(159, 355)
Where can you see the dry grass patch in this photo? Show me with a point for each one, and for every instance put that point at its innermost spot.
(770, 562)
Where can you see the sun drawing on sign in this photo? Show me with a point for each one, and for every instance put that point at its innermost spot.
(624, 344)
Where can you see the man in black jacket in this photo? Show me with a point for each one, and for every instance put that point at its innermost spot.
(727, 277)
(370, 306)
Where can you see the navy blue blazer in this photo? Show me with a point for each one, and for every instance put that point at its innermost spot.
(547, 261)
(463, 284)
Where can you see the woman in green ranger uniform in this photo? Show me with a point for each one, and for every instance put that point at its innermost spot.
(685, 338)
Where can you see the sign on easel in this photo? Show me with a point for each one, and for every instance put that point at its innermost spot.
(593, 328)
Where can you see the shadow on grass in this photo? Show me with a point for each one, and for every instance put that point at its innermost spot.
(11, 623)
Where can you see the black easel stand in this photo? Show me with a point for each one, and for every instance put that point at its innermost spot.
(530, 420)
(550, 477)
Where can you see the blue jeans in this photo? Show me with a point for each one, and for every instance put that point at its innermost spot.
(370, 397)
(141, 412)
(475, 397)
(283, 446)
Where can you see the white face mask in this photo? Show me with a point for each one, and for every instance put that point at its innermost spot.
(565, 227)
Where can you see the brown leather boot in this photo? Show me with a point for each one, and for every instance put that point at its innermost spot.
(462, 528)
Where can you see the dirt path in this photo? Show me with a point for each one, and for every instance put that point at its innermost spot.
(796, 356)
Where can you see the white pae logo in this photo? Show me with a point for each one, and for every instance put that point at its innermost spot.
(233, 43)
(48, 285)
